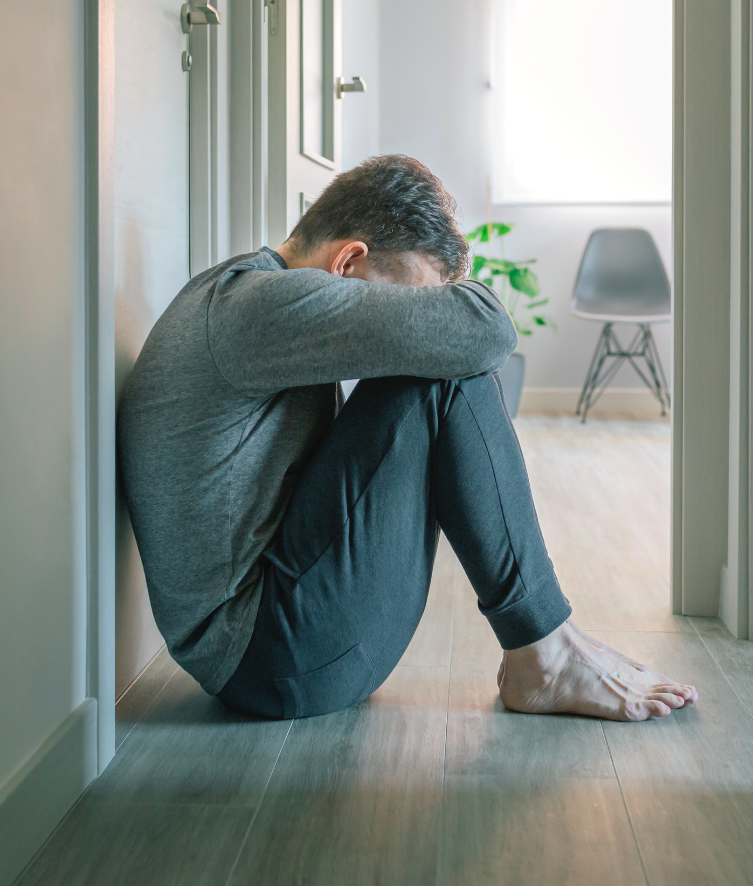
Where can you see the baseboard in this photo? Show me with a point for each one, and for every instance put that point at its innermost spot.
(555, 401)
(34, 800)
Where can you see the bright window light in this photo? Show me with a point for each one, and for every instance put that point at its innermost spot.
(582, 101)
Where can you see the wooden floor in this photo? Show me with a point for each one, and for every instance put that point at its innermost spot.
(431, 781)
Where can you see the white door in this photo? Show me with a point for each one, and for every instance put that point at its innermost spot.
(304, 46)
(151, 246)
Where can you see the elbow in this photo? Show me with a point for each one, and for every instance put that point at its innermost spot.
(499, 344)
(508, 336)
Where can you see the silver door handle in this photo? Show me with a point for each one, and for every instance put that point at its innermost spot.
(203, 14)
(358, 85)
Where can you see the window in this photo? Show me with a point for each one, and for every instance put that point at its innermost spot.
(582, 101)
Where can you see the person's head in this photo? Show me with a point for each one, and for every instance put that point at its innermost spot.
(389, 219)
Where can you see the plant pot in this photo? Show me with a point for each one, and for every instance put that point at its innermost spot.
(512, 375)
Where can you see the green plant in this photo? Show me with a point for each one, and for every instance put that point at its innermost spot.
(519, 290)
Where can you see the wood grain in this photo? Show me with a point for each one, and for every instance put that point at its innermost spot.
(109, 844)
(573, 831)
(189, 748)
(473, 640)
(687, 779)
(431, 780)
(140, 695)
(602, 496)
(734, 657)
(430, 646)
(356, 796)
(483, 738)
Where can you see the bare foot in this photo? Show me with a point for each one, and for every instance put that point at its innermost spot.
(568, 672)
(654, 675)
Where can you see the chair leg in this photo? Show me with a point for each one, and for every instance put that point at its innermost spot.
(649, 358)
(656, 367)
(641, 345)
(602, 377)
(597, 362)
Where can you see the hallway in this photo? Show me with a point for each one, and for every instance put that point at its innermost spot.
(431, 781)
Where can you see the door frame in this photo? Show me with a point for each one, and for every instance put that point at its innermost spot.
(701, 447)
(711, 415)
(99, 124)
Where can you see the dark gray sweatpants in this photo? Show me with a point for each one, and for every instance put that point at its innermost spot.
(347, 575)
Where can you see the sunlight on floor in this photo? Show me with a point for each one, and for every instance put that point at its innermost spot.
(431, 782)
(602, 492)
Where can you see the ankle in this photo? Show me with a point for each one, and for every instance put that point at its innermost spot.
(543, 655)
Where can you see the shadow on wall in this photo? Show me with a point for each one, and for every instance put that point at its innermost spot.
(136, 634)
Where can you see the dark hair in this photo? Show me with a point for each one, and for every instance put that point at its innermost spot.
(395, 205)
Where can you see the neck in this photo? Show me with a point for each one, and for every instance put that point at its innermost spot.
(318, 258)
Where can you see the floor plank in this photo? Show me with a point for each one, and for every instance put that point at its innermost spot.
(527, 799)
(602, 495)
(571, 831)
(734, 657)
(356, 796)
(430, 646)
(104, 844)
(473, 640)
(140, 695)
(189, 748)
(687, 779)
(485, 739)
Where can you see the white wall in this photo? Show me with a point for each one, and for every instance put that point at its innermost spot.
(434, 100)
(42, 520)
(432, 62)
(360, 111)
(151, 247)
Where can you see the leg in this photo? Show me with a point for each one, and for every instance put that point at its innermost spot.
(565, 670)
(347, 576)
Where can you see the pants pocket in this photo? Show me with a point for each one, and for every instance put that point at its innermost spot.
(337, 685)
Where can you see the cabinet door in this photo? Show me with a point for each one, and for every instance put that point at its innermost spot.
(304, 45)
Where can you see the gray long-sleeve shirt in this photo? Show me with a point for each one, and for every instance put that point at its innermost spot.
(234, 388)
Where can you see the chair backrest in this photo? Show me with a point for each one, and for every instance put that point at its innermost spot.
(622, 275)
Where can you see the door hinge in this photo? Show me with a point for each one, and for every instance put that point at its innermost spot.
(273, 6)
(202, 14)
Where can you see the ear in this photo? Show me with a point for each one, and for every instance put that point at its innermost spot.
(348, 257)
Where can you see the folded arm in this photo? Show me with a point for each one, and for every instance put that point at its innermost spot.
(273, 330)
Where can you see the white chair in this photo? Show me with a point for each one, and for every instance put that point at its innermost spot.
(622, 280)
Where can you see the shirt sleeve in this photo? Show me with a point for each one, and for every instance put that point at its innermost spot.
(270, 330)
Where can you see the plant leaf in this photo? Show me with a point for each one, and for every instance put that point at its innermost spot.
(481, 233)
(479, 263)
(501, 265)
(525, 281)
(537, 304)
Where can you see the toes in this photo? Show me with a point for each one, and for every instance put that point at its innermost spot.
(644, 710)
(687, 693)
(669, 699)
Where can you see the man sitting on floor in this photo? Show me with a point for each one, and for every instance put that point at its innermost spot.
(288, 540)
